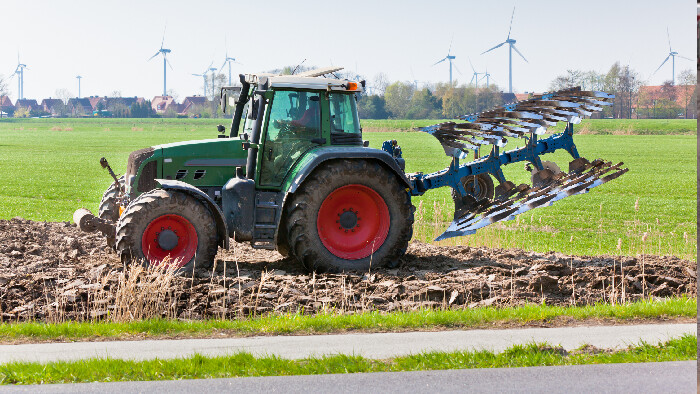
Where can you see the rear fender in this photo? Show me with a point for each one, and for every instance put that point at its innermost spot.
(183, 187)
(326, 154)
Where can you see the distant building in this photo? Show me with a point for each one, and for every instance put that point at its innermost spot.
(190, 105)
(80, 106)
(6, 105)
(28, 104)
(665, 101)
(161, 104)
(53, 106)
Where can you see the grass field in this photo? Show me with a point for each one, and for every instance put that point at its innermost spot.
(49, 168)
(243, 364)
(587, 126)
(300, 324)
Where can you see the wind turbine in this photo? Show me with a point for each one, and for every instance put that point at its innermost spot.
(487, 75)
(19, 71)
(213, 76)
(511, 43)
(79, 78)
(164, 52)
(671, 54)
(204, 78)
(450, 58)
(228, 60)
(475, 75)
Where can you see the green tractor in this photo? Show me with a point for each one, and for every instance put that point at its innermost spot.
(294, 175)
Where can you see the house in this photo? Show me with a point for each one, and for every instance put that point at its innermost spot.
(161, 104)
(6, 105)
(53, 106)
(80, 106)
(191, 105)
(665, 101)
(28, 104)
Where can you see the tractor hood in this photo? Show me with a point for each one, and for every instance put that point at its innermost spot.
(209, 162)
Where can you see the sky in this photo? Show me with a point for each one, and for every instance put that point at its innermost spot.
(109, 42)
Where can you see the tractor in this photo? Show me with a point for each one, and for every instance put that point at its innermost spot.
(293, 174)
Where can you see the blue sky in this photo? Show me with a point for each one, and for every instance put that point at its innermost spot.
(109, 42)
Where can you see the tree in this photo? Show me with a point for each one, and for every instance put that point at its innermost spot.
(380, 83)
(21, 112)
(372, 107)
(424, 105)
(571, 79)
(688, 87)
(3, 86)
(398, 98)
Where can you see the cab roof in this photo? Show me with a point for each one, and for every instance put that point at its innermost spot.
(312, 79)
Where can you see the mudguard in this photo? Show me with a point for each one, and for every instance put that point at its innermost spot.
(221, 228)
(332, 153)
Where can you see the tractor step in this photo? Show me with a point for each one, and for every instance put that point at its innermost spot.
(265, 226)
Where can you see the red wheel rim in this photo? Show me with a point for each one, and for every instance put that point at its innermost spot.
(169, 238)
(353, 222)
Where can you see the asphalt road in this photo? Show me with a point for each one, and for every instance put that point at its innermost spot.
(667, 377)
(377, 345)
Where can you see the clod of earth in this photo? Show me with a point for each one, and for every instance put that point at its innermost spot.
(53, 272)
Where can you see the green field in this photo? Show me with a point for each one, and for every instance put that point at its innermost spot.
(49, 168)
(587, 126)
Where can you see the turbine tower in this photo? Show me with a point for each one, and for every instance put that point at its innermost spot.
(204, 78)
(228, 60)
(511, 44)
(164, 52)
(475, 75)
(450, 58)
(19, 71)
(671, 54)
(79, 78)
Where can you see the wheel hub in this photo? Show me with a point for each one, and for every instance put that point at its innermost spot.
(348, 219)
(167, 239)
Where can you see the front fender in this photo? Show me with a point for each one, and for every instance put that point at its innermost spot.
(221, 229)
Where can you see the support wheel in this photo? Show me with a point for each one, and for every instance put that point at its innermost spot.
(549, 173)
(170, 227)
(349, 215)
(478, 188)
(109, 207)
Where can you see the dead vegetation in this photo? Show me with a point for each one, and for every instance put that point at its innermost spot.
(52, 272)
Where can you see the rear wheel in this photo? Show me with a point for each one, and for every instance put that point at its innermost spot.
(349, 215)
(167, 227)
(109, 206)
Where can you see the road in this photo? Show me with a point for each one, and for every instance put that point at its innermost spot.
(376, 345)
(667, 377)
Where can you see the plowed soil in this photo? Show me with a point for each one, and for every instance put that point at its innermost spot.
(53, 272)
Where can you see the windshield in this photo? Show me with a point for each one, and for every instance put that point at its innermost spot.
(246, 125)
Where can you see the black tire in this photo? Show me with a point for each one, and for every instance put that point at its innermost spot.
(302, 214)
(109, 207)
(464, 204)
(544, 177)
(154, 205)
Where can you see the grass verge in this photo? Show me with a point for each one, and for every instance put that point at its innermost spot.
(298, 323)
(243, 364)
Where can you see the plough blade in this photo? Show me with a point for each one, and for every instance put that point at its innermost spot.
(525, 198)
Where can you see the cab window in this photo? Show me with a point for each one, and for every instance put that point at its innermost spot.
(344, 113)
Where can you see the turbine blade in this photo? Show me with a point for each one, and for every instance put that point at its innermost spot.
(457, 68)
(686, 58)
(472, 80)
(440, 61)
(664, 62)
(163, 40)
(511, 22)
(493, 48)
(450, 48)
(153, 56)
(222, 66)
(169, 65)
(669, 40)
(470, 63)
(521, 55)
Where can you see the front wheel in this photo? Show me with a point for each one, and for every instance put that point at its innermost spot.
(109, 206)
(167, 227)
(349, 215)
